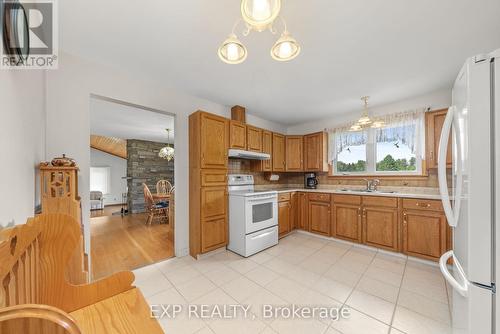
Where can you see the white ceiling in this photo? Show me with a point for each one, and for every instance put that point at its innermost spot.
(127, 122)
(388, 49)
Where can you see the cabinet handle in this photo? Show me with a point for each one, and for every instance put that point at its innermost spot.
(405, 221)
(359, 212)
(432, 155)
(423, 205)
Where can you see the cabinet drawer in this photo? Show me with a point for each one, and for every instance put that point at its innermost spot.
(422, 204)
(213, 178)
(389, 202)
(347, 199)
(318, 197)
(283, 197)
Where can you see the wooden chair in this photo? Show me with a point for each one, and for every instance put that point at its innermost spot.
(36, 297)
(172, 190)
(163, 187)
(156, 211)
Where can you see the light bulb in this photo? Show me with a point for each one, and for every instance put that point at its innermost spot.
(232, 51)
(261, 10)
(285, 50)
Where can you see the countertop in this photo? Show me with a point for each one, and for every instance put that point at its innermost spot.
(424, 193)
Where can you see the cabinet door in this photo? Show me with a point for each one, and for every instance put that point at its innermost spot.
(434, 123)
(254, 139)
(319, 217)
(214, 141)
(237, 135)
(315, 152)
(267, 147)
(283, 218)
(424, 234)
(380, 227)
(294, 149)
(294, 199)
(278, 152)
(213, 202)
(347, 222)
(213, 234)
(302, 217)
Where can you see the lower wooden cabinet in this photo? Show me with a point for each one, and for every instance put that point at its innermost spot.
(347, 222)
(213, 233)
(213, 201)
(284, 210)
(424, 234)
(380, 227)
(319, 217)
(302, 217)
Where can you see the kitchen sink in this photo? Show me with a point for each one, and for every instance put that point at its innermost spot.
(368, 191)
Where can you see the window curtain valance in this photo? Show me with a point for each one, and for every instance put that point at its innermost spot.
(405, 127)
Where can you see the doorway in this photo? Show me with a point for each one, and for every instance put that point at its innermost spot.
(132, 186)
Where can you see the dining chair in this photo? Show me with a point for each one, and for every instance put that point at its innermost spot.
(163, 187)
(156, 211)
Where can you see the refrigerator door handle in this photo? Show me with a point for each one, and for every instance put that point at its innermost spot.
(462, 289)
(451, 216)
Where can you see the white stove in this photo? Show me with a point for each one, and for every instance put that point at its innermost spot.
(253, 216)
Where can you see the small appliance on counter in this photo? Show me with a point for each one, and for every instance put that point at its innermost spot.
(310, 181)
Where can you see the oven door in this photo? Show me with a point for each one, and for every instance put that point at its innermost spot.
(261, 212)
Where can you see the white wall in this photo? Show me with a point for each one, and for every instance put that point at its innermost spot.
(118, 169)
(22, 129)
(436, 100)
(68, 123)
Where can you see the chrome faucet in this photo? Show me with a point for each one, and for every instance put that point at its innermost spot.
(371, 185)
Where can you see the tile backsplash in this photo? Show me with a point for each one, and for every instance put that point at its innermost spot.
(242, 166)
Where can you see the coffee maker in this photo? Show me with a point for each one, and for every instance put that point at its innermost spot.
(310, 181)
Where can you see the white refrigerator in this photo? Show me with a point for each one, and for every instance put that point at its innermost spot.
(472, 200)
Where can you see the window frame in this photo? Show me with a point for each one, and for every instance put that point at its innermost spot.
(371, 158)
(107, 173)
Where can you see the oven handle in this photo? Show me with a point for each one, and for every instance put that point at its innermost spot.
(262, 235)
(255, 199)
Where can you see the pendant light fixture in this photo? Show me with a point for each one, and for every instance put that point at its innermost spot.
(259, 15)
(365, 121)
(167, 152)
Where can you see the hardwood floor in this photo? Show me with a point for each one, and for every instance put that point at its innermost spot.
(126, 243)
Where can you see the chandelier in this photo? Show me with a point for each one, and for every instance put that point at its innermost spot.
(259, 15)
(167, 152)
(365, 121)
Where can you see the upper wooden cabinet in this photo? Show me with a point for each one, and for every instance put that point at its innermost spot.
(278, 156)
(254, 139)
(433, 125)
(316, 152)
(267, 147)
(208, 141)
(237, 135)
(294, 150)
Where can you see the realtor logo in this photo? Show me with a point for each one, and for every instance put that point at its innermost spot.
(29, 34)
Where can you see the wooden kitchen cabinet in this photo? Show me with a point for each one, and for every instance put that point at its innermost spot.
(213, 202)
(316, 152)
(237, 135)
(425, 231)
(302, 217)
(278, 156)
(284, 209)
(380, 227)
(433, 125)
(347, 222)
(319, 217)
(208, 199)
(294, 150)
(208, 141)
(294, 200)
(254, 139)
(267, 147)
(213, 233)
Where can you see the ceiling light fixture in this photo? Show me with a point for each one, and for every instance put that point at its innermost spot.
(167, 152)
(365, 121)
(259, 15)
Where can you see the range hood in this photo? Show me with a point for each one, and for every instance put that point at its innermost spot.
(241, 154)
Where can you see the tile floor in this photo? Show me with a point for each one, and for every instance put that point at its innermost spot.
(384, 293)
